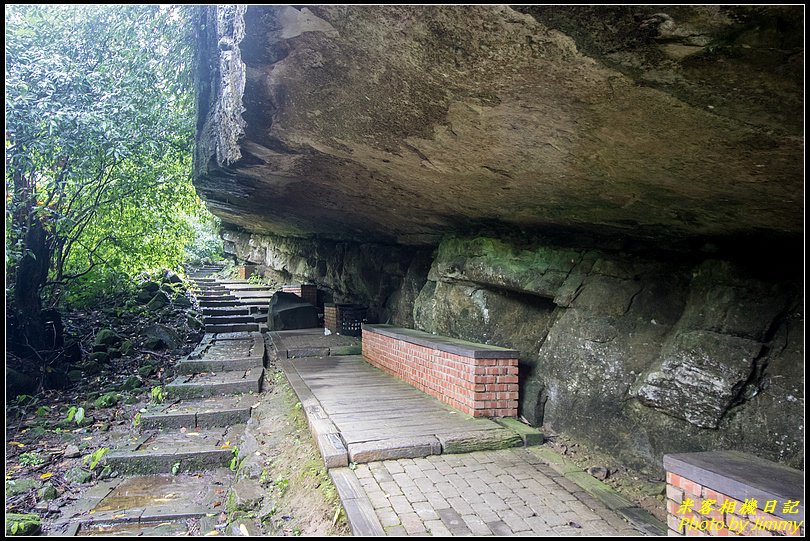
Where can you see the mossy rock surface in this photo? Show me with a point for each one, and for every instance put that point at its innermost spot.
(15, 487)
(107, 337)
(19, 524)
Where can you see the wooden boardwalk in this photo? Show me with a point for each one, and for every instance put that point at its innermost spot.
(378, 416)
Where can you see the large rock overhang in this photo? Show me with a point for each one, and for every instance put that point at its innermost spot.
(675, 125)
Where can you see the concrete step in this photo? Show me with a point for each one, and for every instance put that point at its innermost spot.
(222, 297)
(252, 294)
(196, 366)
(218, 303)
(230, 319)
(204, 385)
(231, 327)
(202, 413)
(158, 452)
(162, 505)
(233, 311)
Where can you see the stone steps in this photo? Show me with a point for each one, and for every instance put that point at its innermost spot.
(159, 452)
(231, 327)
(230, 319)
(226, 311)
(204, 385)
(200, 414)
(194, 366)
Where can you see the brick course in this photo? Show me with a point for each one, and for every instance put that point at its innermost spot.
(759, 523)
(478, 387)
(307, 292)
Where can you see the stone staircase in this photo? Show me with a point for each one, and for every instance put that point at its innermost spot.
(231, 305)
(198, 426)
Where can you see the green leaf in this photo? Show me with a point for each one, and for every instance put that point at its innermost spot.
(175, 468)
(79, 417)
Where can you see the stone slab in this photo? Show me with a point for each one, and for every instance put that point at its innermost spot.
(359, 512)
(741, 476)
(441, 343)
(530, 435)
(204, 385)
(203, 413)
(195, 366)
(393, 448)
(333, 451)
(483, 440)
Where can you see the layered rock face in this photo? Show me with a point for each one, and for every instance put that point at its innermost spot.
(610, 190)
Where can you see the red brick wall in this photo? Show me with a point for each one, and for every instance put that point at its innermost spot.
(478, 387)
(307, 292)
(713, 522)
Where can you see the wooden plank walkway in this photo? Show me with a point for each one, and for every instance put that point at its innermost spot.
(380, 417)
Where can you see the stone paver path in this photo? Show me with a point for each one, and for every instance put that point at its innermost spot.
(505, 492)
(412, 472)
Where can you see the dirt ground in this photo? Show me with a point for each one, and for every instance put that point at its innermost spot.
(298, 496)
(646, 491)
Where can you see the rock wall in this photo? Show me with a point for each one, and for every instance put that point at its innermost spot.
(639, 357)
(385, 278)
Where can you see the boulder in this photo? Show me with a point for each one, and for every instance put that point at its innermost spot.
(19, 383)
(20, 486)
(158, 301)
(288, 312)
(150, 287)
(159, 337)
(126, 347)
(181, 301)
(99, 356)
(107, 337)
(172, 277)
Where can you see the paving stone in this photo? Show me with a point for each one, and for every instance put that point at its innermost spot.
(486, 513)
(499, 528)
(403, 480)
(424, 464)
(412, 523)
(460, 505)
(437, 528)
(457, 481)
(391, 488)
(400, 504)
(520, 508)
(435, 475)
(413, 494)
(425, 511)
(378, 500)
(471, 496)
(495, 502)
(424, 484)
(362, 471)
(446, 489)
(388, 517)
(414, 472)
(513, 520)
(538, 525)
(476, 524)
(396, 531)
(453, 521)
(393, 466)
(437, 501)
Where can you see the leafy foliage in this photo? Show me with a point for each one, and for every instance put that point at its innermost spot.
(31, 458)
(95, 457)
(99, 131)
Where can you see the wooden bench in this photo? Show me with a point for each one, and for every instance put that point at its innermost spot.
(478, 379)
(720, 493)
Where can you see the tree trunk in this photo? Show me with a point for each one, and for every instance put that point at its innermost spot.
(31, 275)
